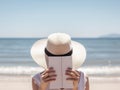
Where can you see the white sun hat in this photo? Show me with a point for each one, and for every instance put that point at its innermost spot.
(58, 44)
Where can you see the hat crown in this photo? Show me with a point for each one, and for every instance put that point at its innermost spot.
(58, 43)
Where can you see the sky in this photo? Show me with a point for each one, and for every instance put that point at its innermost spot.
(78, 18)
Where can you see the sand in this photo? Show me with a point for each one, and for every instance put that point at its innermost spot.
(24, 83)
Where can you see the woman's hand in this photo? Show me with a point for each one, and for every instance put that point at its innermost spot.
(47, 76)
(74, 76)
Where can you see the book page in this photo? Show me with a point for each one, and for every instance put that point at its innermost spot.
(55, 62)
(66, 62)
(60, 64)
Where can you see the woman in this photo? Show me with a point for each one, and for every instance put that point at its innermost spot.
(59, 44)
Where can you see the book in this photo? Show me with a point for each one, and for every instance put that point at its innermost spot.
(60, 64)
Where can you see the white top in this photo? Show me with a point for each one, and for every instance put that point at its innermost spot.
(81, 85)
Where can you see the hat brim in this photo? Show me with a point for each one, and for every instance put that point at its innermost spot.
(38, 53)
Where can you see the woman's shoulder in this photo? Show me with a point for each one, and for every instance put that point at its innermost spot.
(83, 75)
(37, 78)
(36, 75)
(82, 72)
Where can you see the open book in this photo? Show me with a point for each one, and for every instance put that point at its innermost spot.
(60, 64)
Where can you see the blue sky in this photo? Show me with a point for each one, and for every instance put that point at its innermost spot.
(39, 18)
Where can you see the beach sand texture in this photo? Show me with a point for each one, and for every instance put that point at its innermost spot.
(24, 83)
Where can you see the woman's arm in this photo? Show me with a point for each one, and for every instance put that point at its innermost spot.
(34, 86)
(87, 84)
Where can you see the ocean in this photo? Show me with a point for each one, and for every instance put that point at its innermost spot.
(103, 56)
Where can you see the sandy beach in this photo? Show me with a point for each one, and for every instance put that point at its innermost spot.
(24, 83)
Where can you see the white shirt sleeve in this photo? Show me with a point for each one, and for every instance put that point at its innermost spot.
(82, 82)
(37, 79)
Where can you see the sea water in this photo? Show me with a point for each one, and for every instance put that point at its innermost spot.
(103, 56)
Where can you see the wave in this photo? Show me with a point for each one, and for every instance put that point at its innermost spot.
(19, 70)
(102, 70)
(91, 71)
